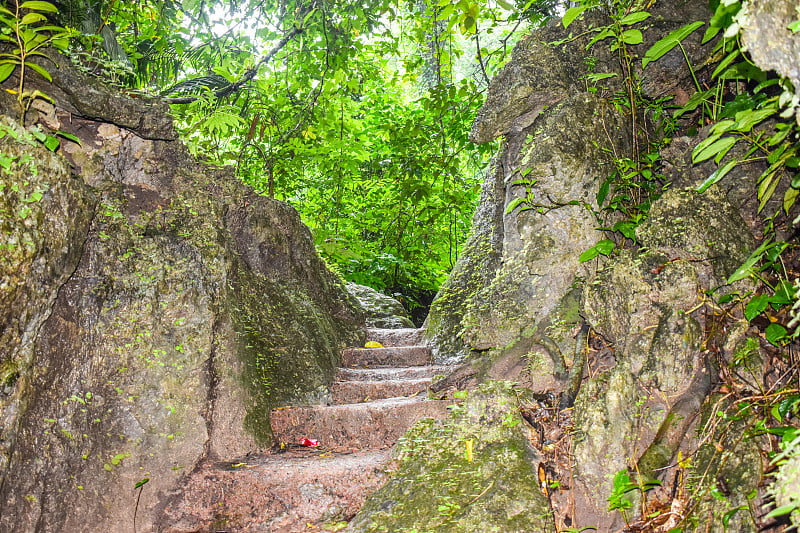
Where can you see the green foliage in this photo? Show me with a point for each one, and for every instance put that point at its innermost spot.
(624, 490)
(748, 116)
(356, 114)
(761, 117)
(28, 30)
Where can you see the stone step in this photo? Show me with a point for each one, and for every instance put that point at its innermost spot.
(344, 392)
(292, 492)
(377, 374)
(370, 425)
(395, 337)
(393, 356)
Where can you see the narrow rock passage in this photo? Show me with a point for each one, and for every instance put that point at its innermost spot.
(378, 395)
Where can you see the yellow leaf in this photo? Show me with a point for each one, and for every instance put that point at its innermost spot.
(12, 91)
(373, 344)
(468, 451)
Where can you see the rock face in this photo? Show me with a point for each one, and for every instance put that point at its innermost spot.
(382, 311)
(770, 42)
(153, 310)
(518, 301)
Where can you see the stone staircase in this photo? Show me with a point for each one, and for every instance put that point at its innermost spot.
(379, 393)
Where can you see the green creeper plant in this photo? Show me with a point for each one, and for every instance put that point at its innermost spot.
(28, 30)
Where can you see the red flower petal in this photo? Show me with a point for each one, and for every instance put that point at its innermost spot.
(309, 442)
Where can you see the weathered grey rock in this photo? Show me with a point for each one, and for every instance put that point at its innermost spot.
(786, 487)
(382, 311)
(472, 472)
(768, 40)
(153, 310)
(647, 305)
(518, 292)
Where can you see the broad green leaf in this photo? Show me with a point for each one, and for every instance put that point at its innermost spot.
(723, 126)
(42, 72)
(789, 198)
(767, 187)
(775, 334)
(785, 294)
(68, 136)
(745, 120)
(51, 142)
(794, 26)
(626, 228)
(747, 267)
(597, 76)
(36, 196)
(783, 510)
(631, 37)
(571, 14)
(38, 5)
(32, 18)
(706, 150)
(726, 518)
(761, 86)
(717, 175)
(602, 193)
(513, 204)
(6, 69)
(633, 18)
(726, 62)
(605, 33)
(661, 47)
(603, 247)
(589, 254)
(756, 306)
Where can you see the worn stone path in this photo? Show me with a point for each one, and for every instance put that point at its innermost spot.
(378, 395)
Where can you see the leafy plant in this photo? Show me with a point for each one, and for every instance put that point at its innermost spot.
(29, 31)
(623, 489)
(761, 118)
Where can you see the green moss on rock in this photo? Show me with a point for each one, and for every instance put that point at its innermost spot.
(472, 472)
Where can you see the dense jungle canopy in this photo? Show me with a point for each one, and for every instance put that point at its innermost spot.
(355, 113)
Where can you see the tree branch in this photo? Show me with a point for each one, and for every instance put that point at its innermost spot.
(249, 75)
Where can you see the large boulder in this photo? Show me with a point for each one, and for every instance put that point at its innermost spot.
(475, 471)
(153, 311)
(381, 311)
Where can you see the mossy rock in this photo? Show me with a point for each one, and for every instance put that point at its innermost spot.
(474, 471)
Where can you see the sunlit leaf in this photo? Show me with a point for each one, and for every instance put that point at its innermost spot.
(38, 5)
(633, 18)
(663, 46)
(717, 175)
(756, 306)
(632, 36)
(6, 68)
(706, 149)
(571, 14)
(775, 334)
